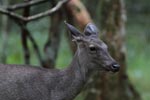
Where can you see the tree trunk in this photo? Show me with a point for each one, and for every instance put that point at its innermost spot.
(52, 45)
(77, 14)
(118, 86)
(26, 51)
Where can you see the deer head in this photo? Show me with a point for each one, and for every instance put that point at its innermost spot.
(92, 52)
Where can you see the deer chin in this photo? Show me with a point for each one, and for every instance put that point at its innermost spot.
(114, 70)
(103, 69)
(106, 69)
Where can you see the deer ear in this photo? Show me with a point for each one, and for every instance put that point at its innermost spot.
(75, 33)
(91, 29)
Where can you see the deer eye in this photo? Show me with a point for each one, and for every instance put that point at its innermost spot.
(92, 48)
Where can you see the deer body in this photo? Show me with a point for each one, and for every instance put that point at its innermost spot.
(30, 83)
(23, 82)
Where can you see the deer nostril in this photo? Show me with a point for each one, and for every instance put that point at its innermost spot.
(115, 67)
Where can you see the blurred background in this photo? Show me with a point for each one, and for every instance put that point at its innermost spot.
(13, 48)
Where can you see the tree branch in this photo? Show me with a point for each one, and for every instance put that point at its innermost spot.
(34, 17)
(48, 12)
(12, 14)
(24, 34)
(25, 4)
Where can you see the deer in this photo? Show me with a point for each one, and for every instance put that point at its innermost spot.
(26, 82)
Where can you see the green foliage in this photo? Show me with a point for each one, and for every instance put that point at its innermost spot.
(138, 6)
(138, 56)
(64, 55)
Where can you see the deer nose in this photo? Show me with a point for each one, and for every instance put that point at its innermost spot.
(115, 67)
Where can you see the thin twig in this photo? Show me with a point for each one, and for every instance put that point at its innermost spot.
(12, 14)
(25, 4)
(34, 17)
(48, 12)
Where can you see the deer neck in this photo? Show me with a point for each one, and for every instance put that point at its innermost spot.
(80, 68)
(70, 81)
(75, 77)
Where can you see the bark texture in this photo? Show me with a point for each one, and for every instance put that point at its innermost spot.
(77, 13)
(52, 44)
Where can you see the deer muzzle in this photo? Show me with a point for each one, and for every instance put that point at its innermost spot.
(115, 67)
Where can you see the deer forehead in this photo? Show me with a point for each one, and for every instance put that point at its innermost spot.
(95, 42)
